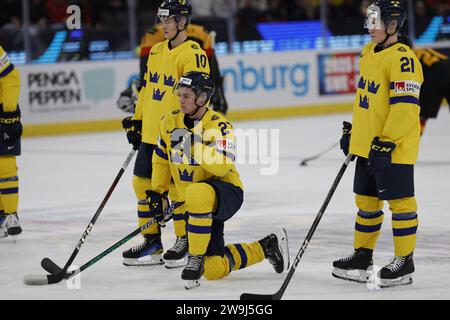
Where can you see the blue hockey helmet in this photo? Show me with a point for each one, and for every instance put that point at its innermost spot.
(176, 9)
(386, 11)
(199, 82)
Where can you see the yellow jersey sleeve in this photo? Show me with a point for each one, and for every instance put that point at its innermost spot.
(161, 175)
(9, 83)
(406, 78)
(6, 65)
(140, 101)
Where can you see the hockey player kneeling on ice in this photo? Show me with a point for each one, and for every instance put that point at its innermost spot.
(385, 136)
(167, 61)
(10, 133)
(196, 149)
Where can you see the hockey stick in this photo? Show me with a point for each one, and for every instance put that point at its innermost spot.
(46, 263)
(306, 160)
(55, 271)
(277, 295)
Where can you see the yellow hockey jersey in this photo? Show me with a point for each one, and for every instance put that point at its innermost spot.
(387, 102)
(211, 158)
(9, 83)
(164, 67)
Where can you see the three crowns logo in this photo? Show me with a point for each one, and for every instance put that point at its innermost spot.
(373, 88)
(362, 83)
(169, 81)
(158, 95)
(154, 77)
(364, 102)
(186, 176)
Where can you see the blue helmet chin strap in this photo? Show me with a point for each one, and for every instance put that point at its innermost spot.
(388, 35)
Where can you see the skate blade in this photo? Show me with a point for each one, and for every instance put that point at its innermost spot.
(401, 281)
(284, 244)
(191, 284)
(172, 264)
(355, 275)
(151, 260)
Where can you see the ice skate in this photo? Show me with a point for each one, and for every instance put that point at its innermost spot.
(193, 271)
(355, 267)
(176, 256)
(398, 272)
(147, 253)
(276, 251)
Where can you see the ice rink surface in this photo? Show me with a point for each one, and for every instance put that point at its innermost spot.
(64, 179)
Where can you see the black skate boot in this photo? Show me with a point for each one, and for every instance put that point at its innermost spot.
(193, 271)
(397, 272)
(276, 251)
(147, 253)
(354, 267)
(3, 228)
(176, 256)
(12, 224)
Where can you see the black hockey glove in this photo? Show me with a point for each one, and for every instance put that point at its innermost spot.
(134, 131)
(10, 127)
(345, 139)
(158, 203)
(380, 156)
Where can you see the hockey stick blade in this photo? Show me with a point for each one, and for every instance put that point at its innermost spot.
(50, 266)
(40, 280)
(254, 296)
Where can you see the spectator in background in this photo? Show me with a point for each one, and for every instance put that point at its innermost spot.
(343, 10)
(115, 14)
(38, 14)
(223, 8)
(56, 11)
(246, 19)
(10, 14)
(439, 7)
(305, 10)
(276, 11)
(201, 8)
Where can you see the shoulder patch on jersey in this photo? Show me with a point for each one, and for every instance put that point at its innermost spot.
(4, 61)
(176, 112)
(225, 145)
(215, 117)
(407, 86)
(195, 47)
(401, 49)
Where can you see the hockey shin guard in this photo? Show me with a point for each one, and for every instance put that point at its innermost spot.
(140, 185)
(200, 203)
(404, 225)
(368, 221)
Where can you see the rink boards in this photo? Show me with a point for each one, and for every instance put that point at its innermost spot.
(81, 96)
